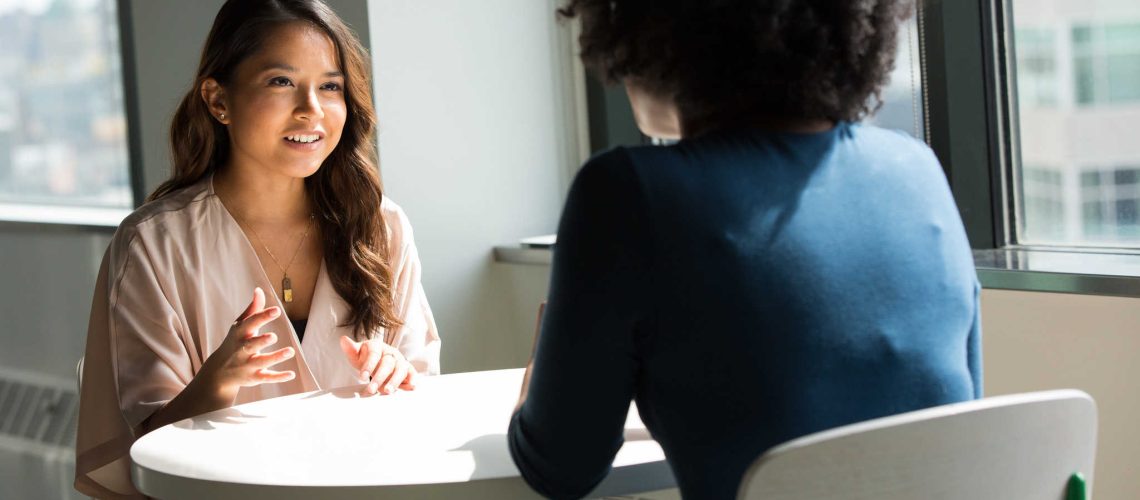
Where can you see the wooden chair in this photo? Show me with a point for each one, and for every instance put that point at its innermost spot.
(1032, 446)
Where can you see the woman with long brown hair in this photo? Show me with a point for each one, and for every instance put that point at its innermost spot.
(275, 193)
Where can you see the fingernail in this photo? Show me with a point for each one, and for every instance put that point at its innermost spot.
(364, 376)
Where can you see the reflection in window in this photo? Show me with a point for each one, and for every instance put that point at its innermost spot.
(62, 121)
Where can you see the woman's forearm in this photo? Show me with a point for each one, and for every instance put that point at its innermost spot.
(201, 395)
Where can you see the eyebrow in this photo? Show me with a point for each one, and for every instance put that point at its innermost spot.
(291, 69)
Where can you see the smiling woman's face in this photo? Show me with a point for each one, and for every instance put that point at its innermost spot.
(285, 107)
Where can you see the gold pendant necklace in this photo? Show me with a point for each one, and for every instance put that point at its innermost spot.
(286, 283)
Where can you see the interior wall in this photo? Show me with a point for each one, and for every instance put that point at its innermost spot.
(48, 275)
(477, 136)
(1039, 341)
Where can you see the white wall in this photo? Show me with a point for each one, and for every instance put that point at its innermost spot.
(1037, 341)
(477, 135)
(45, 295)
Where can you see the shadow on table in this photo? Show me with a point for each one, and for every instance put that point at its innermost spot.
(206, 422)
(490, 454)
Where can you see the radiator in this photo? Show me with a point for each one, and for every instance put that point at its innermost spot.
(37, 436)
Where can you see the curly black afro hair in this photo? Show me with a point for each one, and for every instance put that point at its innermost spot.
(814, 59)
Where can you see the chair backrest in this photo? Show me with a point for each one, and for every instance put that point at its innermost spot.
(1016, 447)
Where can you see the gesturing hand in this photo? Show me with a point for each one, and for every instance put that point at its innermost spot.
(238, 362)
(381, 364)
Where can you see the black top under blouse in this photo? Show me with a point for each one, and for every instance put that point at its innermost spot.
(299, 327)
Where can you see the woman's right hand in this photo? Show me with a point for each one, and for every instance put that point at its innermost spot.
(239, 362)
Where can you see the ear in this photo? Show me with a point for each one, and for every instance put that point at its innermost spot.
(214, 95)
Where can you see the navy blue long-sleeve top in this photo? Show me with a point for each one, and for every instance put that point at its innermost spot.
(746, 288)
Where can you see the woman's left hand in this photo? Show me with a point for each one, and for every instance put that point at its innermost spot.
(384, 367)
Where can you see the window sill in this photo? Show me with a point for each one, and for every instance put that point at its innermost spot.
(1080, 271)
(1035, 270)
(63, 217)
(524, 255)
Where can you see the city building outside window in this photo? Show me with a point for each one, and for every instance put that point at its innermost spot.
(63, 130)
(1077, 66)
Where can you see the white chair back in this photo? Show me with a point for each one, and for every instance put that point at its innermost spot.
(1016, 447)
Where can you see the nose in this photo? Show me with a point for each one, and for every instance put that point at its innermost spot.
(309, 106)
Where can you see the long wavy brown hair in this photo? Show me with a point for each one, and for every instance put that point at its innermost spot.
(345, 191)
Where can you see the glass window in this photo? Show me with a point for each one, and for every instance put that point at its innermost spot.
(63, 134)
(1106, 62)
(902, 97)
(1044, 197)
(1109, 201)
(1037, 67)
(1078, 97)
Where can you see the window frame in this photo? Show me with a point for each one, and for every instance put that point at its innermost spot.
(977, 142)
(960, 40)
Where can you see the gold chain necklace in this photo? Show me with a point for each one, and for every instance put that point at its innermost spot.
(286, 283)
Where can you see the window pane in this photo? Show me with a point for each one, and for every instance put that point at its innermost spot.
(902, 98)
(1077, 66)
(62, 124)
(1123, 73)
(1037, 76)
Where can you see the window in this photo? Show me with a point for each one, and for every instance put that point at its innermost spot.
(1037, 80)
(1077, 101)
(1106, 61)
(1044, 197)
(902, 98)
(1110, 199)
(63, 133)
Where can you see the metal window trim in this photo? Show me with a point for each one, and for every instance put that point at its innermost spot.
(962, 110)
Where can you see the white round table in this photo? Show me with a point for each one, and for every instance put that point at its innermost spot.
(446, 439)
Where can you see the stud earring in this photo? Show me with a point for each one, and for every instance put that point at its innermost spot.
(222, 116)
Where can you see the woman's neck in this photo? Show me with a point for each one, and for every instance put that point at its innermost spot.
(697, 127)
(262, 199)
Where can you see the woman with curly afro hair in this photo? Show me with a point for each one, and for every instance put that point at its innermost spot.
(780, 270)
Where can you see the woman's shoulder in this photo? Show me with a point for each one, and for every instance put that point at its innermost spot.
(180, 208)
(397, 223)
(608, 169)
(883, 139)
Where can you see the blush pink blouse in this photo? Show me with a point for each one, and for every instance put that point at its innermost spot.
(176, 275)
